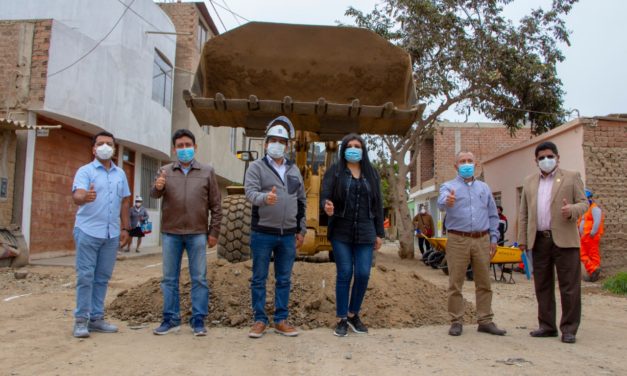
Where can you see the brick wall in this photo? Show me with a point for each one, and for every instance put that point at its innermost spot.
(57, 157)
(6, 205)
(9, 35)
(605, 156)
(39, 63)
(185, 17)
(426, 161)
(481, 141)
(23, 77)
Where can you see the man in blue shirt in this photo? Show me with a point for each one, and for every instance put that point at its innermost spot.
(472, 226)
(101, 191)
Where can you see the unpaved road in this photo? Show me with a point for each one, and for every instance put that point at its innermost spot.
(35, 337)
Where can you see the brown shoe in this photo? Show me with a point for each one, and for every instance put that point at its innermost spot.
(283, 327)
(491, 328)
(257, 330)
(569, 338)
(540, 333)
(455, 330)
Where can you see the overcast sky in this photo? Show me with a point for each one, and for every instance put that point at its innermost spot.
(593, 73)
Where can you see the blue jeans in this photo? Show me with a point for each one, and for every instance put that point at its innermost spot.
(351, 260)
(95, 259)
(173, 247)
(284, 249)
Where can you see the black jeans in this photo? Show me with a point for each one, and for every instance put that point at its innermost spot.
(424, 245)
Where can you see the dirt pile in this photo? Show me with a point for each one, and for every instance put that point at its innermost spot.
(395, 299)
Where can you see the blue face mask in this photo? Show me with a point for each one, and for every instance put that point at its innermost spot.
(353, 155)
(466, 170)
(185, 155)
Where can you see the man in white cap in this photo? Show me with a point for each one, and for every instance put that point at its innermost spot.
(275, 188)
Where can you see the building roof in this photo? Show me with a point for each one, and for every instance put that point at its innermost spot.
(555, 131)
(544, 136)
(202, 8)
(17, 125)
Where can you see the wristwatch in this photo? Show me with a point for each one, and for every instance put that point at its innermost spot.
(126, 229)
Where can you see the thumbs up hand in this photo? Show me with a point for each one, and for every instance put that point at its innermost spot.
(566, 212)
(271, 197)
(91, 194)
(328, 207)
(450, 199)
(160, 182)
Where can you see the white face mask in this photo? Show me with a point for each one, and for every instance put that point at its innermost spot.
(104, 152)
(423, 211)
(276, 150)
(547, 165)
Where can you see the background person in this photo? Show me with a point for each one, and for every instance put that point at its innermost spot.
(503, 225)
(423, 224)
(351, 197)
(139, 216)
(590, 226)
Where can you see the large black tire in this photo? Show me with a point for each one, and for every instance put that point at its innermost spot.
(434, 259)
(425, 256)
(234, 239)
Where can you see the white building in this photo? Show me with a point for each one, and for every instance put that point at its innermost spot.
(89, 65)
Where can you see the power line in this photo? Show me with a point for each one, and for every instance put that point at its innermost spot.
(218, 14)
(233, 14)
(127, 7)
(541, 112)
(230, 11)
(145, 20)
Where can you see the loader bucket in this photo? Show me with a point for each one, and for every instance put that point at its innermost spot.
(329, 80)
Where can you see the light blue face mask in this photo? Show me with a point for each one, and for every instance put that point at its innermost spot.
(185, 155)
(466, 170)
(353, 155)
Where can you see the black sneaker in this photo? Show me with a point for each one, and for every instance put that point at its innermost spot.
(167, 326)
(198, 326)
(341, 329)
(356, 324)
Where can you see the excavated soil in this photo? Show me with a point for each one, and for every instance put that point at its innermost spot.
(395, 299)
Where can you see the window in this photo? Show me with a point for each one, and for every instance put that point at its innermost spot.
(150, 167)
(201, 35)
(233, 140)
(162, 81)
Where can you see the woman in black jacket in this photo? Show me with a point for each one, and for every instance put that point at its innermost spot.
(351, 197)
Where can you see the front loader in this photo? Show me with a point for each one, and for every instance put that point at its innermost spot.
(328, 80)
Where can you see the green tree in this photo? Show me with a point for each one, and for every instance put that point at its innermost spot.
(468, 57)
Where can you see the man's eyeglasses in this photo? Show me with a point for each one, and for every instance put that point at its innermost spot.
(546, 156)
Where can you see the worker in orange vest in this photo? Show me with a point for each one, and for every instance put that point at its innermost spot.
(591, 229)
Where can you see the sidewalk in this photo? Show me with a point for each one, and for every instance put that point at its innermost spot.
(70, 260)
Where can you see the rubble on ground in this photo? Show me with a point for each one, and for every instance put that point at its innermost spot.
(395, 299)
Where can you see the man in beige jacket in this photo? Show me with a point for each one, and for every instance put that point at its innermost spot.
(550, 204)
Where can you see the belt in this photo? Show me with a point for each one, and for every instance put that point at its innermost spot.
(545, 233)
(476, 234)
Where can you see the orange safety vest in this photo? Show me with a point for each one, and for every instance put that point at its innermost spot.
(589, 220)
